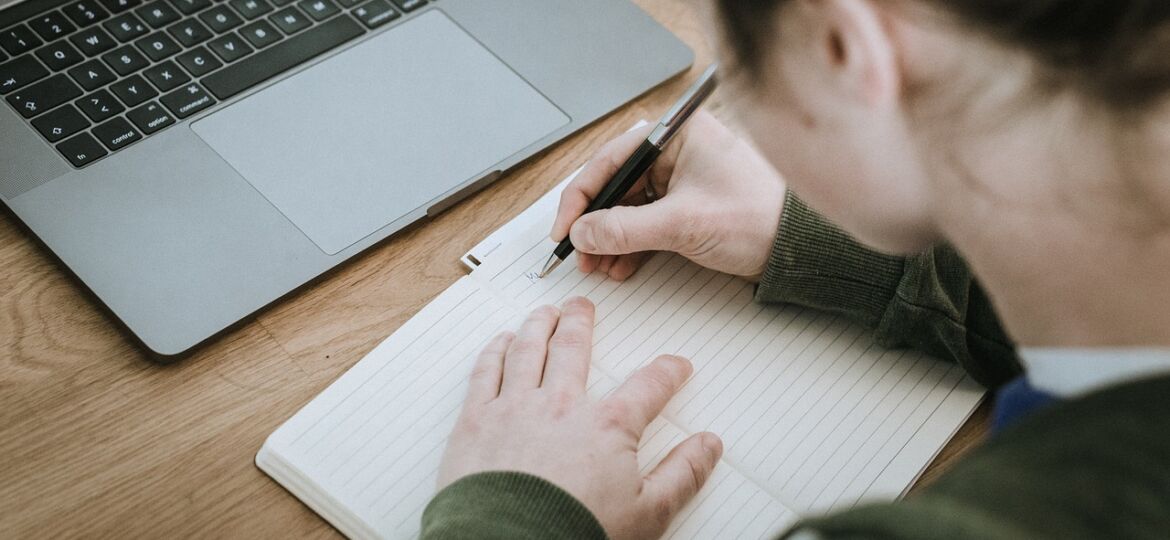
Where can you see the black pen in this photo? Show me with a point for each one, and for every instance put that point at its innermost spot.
(643, 158)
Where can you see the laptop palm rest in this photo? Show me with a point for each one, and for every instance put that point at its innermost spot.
(377, 132)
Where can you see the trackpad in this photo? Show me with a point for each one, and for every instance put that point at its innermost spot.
(370, 135)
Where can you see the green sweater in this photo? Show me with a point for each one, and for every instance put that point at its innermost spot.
(1093, 467)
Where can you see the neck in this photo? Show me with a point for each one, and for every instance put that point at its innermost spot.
(1070, 240)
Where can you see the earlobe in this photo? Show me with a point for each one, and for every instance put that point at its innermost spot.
(863, 50)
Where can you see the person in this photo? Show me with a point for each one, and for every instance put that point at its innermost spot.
(1015, 153)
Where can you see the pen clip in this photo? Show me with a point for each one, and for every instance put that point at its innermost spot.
(692, 99)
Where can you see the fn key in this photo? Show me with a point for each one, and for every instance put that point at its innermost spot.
(187, 100)
(81, 150)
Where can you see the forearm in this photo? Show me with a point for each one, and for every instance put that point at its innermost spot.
(929, 302)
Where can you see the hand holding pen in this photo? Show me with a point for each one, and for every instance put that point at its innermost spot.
(641, 160)
(709, 196)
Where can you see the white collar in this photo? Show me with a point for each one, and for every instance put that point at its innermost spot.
(1073, 372)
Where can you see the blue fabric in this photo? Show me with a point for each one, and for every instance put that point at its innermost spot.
(1016, 400)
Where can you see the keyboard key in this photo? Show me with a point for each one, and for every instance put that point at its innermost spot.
(187, 100)
(166, 76)
(157, 14)
(150, 118)
(59, 55)
(376, 13)
(290, 21)
(199, 62)
(81, 150)
(319, 10)
(158, 46)
(189, 7)
(251, 9)
(190, 32)
(221, 19)
(51, 25)
(118, 6)
(125, 60)
(260, 34)
(44, 95)
(116, 134)
(280, 3)
(93, 41)
(99, 105)
(126, 27)
(85, 12)
(92, 75)
(348, 3)
(18, 40)
(19, 72)
(230, 48)
(60, 123)
(281, 57)
(133, 90)
(409, 5)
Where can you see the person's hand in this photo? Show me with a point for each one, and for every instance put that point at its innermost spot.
(720, 205)
(527, 411)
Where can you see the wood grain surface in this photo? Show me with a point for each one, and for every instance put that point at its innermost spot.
(98, 441)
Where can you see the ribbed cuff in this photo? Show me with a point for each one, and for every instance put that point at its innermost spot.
(507, 505)
(816, 264)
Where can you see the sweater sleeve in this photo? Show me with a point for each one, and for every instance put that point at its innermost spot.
(930, 302)
(1094, 467)
(504, 505)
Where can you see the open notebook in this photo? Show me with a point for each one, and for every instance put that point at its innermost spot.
(814, 415)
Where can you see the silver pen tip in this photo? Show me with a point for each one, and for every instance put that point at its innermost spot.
(552, 264)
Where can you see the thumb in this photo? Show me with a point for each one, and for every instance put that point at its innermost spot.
(681, 474)
(626, 229)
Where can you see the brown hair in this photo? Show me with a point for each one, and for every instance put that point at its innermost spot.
(1117, 51)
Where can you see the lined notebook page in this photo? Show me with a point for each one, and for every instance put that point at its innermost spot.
(365, 452)
(807, 405)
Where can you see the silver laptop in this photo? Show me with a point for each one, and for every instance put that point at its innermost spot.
(191, 161)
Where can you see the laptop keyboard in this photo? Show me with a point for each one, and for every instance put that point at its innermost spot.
(95, 76)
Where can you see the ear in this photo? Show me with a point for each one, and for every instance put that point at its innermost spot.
(859, 49)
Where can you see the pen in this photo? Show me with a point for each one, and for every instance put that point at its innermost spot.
(642, 158)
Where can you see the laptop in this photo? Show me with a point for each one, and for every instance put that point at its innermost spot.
(192, 161)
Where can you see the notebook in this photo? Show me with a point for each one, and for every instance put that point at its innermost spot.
(814, 416)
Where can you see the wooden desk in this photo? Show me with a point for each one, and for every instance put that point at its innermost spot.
(96, 440)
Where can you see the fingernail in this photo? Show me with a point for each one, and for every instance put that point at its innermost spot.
(712, 445)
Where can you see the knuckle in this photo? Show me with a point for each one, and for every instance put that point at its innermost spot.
(698, 475)
(485, 371)
(569, 340)
(528, 347)
(663, 511)
(614, 415)
(613, 232)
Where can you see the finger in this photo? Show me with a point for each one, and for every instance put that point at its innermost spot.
(524, 361)
(587, 263)
(629, 229)
(625, 266)
(577, 195)
(484, 385)
(681, 474)
(606, 263)
(642, 397)
(570, 348)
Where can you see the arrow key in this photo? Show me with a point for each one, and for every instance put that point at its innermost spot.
(81, 150)
(60, 123)
(99, 105)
